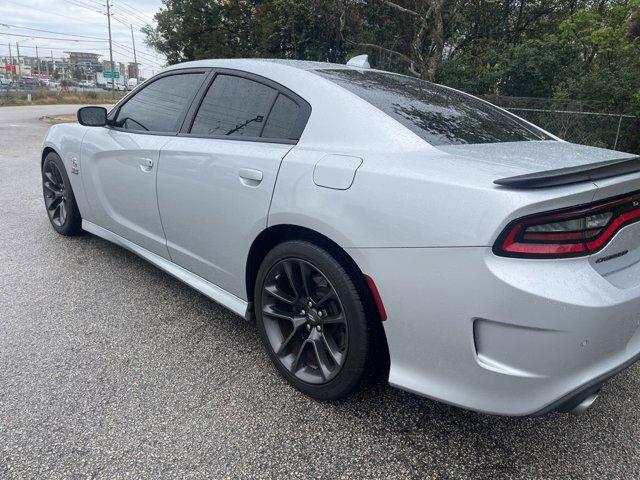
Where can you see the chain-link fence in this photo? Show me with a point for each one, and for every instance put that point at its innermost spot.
(588, 123)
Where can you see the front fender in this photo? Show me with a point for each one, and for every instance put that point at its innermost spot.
(66, 141)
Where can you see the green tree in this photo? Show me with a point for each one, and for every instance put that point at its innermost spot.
(576, 49)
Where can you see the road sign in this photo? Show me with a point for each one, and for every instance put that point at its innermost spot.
(107, 74)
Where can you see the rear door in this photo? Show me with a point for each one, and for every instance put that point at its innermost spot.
(216, 178)
(119, 163)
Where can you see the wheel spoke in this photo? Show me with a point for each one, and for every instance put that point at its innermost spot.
(52, 179)
(56, 214)
(272, 312)
(321, 357)
(305, 273)
(287, 341)
(339, 318)
(278, 294)
(295, 366)
(329, 296)
(288, 270)
(57, 174)
(334, 352)
(63, 211)
(55, 203)
(49, 186)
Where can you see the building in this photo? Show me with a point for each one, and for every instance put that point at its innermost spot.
(84, 64)
(38, 65)
(9, 66)
(133, 69)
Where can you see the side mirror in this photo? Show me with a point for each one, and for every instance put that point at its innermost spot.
(92, 116)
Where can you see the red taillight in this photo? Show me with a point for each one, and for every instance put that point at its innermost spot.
(569, 232)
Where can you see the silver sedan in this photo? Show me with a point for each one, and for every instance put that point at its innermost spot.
(373, 225)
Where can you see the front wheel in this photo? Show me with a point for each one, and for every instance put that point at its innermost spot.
(312, 320)
(58, 197)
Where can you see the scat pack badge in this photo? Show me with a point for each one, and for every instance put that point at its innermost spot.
(75, 168)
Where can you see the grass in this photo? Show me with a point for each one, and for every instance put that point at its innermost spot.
(48, 97)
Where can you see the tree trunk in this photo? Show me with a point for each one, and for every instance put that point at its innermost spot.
(436, 40)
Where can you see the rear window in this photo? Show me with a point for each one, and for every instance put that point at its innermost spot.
(437, 114)
(234, 106)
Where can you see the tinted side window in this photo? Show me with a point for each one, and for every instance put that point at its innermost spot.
(282, 118)
(437, 114)
(233, 106)
(159, 106)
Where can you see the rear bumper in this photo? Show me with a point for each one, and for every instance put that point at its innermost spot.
(570, 401)
(501, 335)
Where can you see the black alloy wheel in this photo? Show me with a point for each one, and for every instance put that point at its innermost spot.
(55, 194)
(304, 321)
(312, 321)
(58, 197)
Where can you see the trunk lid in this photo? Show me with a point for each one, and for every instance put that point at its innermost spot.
(545, 163)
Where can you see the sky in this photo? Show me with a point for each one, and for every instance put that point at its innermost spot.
(64, 19)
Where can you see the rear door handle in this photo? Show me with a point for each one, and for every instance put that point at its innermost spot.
(250, 177)
(146, 164)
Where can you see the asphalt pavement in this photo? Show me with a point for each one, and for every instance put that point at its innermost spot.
(110, 368)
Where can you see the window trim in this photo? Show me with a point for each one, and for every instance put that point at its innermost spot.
(303, 114)
(113, 114)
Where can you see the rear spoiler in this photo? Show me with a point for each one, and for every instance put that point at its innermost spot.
(565, 176)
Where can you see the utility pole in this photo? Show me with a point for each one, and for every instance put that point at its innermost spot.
(38, 61)
(135, 59)
(11, 61)
(53, 66)
(113, 79)
(19, 67)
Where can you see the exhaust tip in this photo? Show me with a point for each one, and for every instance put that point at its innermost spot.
(584, 405)
(581, 402)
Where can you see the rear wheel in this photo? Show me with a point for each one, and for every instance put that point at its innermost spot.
(58, 197)
(312, 320)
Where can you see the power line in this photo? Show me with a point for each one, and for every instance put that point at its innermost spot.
(50, 31)
(125, 12)
(77, 3)
(126, 22)
(142, 54)
(40, 10)
(132, 8)
(51, 38)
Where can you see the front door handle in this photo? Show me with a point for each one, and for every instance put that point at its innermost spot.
(146, 164)
(250, 177)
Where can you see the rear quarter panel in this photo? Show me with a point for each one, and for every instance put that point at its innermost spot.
(408, 198)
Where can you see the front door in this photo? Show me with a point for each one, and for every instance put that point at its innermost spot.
(119, 173)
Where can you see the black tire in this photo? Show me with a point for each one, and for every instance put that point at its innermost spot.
(59, 199)
(353, 349)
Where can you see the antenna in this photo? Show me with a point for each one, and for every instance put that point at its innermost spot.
(360, 61)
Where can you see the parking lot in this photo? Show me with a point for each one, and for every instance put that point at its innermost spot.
(111, 368)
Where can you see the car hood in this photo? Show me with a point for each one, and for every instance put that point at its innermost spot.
(521, 158)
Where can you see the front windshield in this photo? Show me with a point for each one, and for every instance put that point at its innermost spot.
(439, 115)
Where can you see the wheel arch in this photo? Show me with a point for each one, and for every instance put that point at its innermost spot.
(276, 234)
(46, 151)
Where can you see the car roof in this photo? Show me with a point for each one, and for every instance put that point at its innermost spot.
(255, 62)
